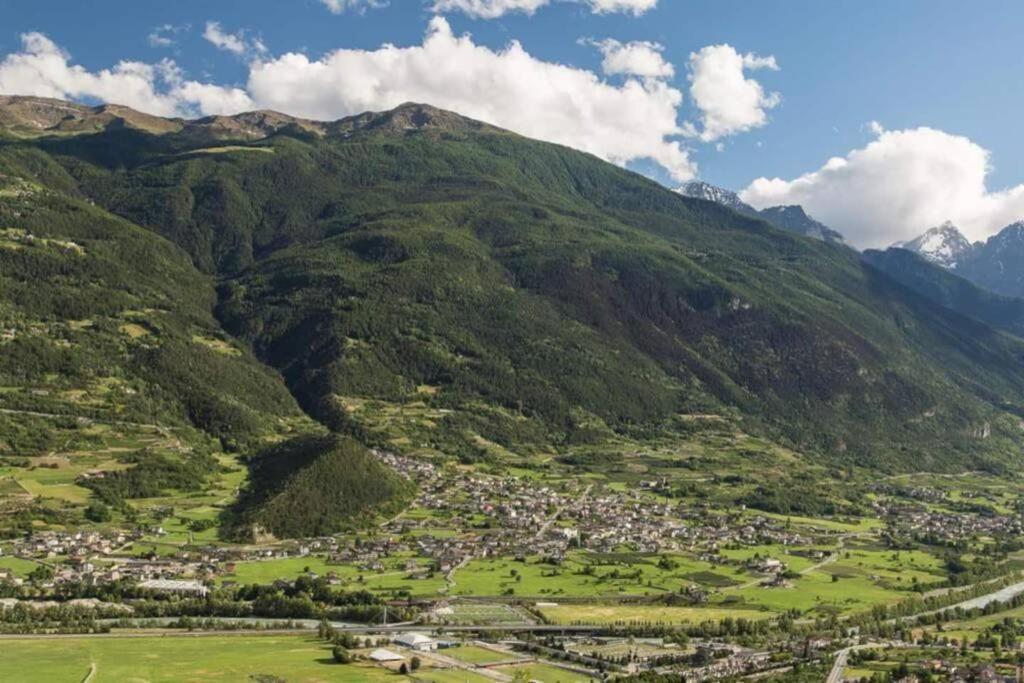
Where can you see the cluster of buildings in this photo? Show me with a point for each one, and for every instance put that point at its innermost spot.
(503, 516)
(939, 525)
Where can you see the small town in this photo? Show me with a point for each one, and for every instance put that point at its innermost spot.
(516, 567)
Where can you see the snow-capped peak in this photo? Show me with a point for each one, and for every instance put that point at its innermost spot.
(701, 190)
(943, 245)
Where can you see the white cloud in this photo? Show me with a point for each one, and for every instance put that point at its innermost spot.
(638, 58)
(239, 43)
(901, 183)
(634, 7)
(43, 69)
(166, 35)
(729, 102)
(339, 6)
(633, 119)
(489, 9)
(492, 9)
(509, 88)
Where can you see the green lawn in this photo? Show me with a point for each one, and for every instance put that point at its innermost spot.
(172, 659)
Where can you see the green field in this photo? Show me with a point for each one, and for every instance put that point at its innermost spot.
(547, 673)
(172, 659)
(449, 676)
(593, 575)
(615, 614)
(392, 578)
(17, 566)
(474, 654)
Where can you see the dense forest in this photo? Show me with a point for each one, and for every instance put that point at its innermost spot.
(314, 486)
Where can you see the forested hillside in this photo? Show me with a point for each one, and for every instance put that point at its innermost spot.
(314, 486)
(949, 289)
(523, 294)
(106, 321)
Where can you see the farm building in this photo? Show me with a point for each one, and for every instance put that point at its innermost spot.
(416, 641)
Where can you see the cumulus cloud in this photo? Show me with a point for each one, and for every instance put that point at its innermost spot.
(637, 58)
(239, 44)
(339, 6)
(509, 88)
(898, 185)
(43, 69)
(630, 119)
(729, 102)
(492, 9)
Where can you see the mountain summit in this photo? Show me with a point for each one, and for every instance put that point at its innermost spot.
(698, 189)
(997, 264)
(789, 218)
(943, 245)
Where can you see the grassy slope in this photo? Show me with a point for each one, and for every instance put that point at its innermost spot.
(544, 297)
(106, 320)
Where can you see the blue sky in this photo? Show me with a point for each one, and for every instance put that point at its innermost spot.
(841, 64)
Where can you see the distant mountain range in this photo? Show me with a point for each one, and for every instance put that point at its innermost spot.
(996, 264)
(789, 218)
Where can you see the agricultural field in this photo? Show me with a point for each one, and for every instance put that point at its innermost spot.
(81, 450)
(624, 614)
(593, 575)
(172, 659)
(474, 654)
(240, 657)
(393, 578)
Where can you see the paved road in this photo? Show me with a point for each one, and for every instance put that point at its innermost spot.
(836, 674)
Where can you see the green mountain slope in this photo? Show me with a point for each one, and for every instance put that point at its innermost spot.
(433, 282)
(948, 289)
(105, 320)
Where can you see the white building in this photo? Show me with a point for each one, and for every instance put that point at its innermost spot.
(382, 655)
(416, 641)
